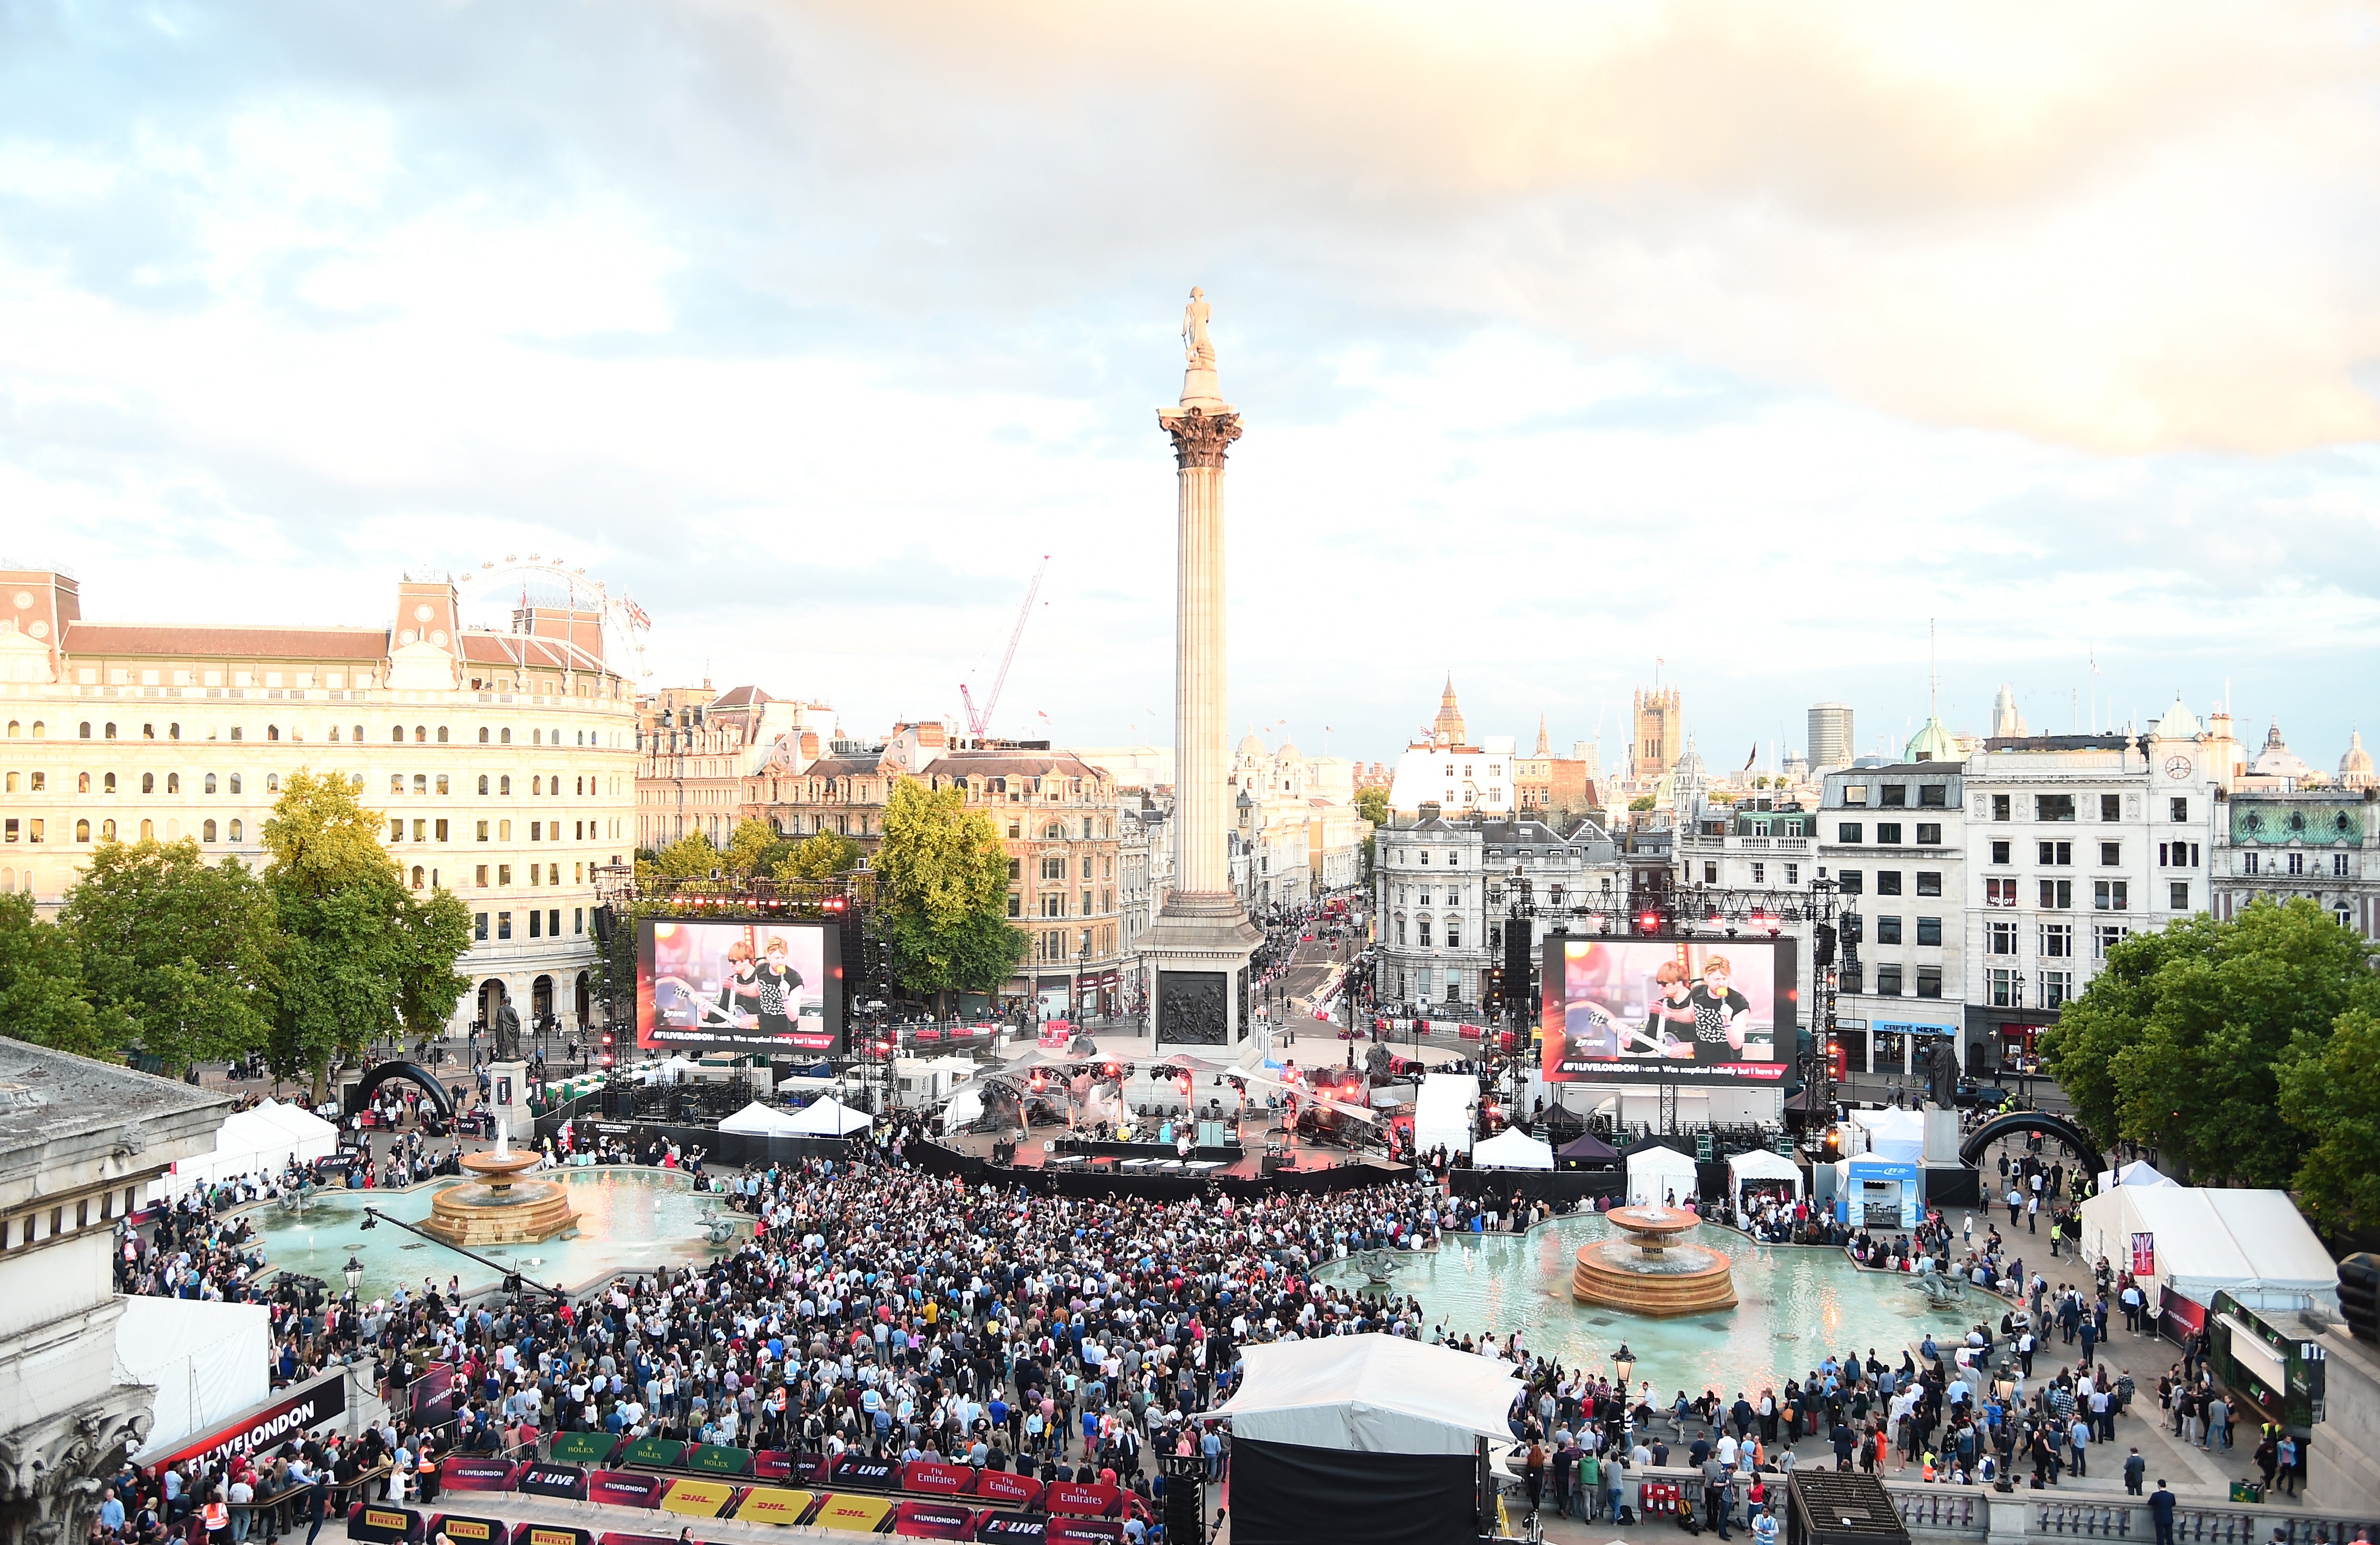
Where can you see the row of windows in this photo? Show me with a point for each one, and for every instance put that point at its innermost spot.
(2004, 987)
(423, 734)
(433, 828)
(2063, 806)
(1888, 832)
(1060, 946)
(541, 925)
(2107, 895)
(2054, 941)
(1853, 882)
(39, 782)
(1053, 902)
(1889, 979)
(34, 829)
(1889, 797)
(2251, 862)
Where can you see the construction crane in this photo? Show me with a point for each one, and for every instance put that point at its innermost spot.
(978, 718)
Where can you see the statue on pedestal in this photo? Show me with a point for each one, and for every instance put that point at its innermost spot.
(508, 1033)
(1197, 348)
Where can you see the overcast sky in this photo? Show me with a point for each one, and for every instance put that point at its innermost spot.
(1569, 337)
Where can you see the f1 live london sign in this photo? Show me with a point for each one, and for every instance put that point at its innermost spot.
(290, 1415)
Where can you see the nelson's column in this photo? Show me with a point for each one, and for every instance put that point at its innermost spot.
(1196, 952)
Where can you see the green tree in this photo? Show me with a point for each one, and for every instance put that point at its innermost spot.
(177, 954)
(747, 844)
(824, 856)
(42, 994)
(1372, 803)
(689, 858)
(360, 958)
(941, 891)
(2179, 1040)
(1642, 802)
(2330, 1094)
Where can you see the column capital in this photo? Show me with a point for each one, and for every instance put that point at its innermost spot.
(1200, 438)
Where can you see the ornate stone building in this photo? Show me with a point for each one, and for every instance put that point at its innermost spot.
(80, 1144)
(503, 762)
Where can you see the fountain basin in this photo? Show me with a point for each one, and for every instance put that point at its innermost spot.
(500, 1209)
(1648, 1271)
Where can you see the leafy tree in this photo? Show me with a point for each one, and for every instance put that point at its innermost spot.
(1372, 803)
(177, 954)
(689, 858)
(42, 994)
(824, 856)
(2330, 1093)
(1642, 802)
(747, 844)
(2179, 1040)
(360, 958)
(942, 893)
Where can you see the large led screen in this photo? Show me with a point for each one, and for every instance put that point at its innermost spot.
(738, 986)
(1654, 1011)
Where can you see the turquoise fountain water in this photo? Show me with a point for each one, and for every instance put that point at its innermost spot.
(628, 1220)
(1795, 1305)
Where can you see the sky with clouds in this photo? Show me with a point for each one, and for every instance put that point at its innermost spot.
(1571, 337)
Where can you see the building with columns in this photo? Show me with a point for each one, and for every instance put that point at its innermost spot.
(503, 762)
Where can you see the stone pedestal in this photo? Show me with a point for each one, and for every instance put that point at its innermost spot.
(1942, 1136)
(508, 1100)
(1197, 947)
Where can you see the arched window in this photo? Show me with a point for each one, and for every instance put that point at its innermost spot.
(207, 832)
(85, 729)
(173, 782)
(578, 785)
(397, 783)
(82, 831)
(272, 732)
(148, 732)
(360, 735)
(174, 732)
(396, 734)
(41, 730)
(15, 729)
(1056, 832)
(417, 877)
(107, 782)
(148, 783)
(420, 782)
(441, 783)
(483, 734)
(234, 783)
(148, 831)
(537, 785)
(442, 735)
(483, 783)
(537, 737)
(107, 830)
(82, 783)
(235, 732)
(334, 734)
(235, 829)
(355, 782)
(505, 737)
(11, 785)
(273, 783)
(210, 782)
(39, 782)
(505, 783)
(420, 735)
(111, 731)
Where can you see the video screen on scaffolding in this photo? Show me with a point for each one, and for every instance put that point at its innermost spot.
(705, 984)
(1655, 1010)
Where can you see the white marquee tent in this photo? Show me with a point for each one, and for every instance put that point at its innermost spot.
(1653, 1173)
(208, 1361)
(757, 1120)
(1891, 1134)
(263, 1139)
(2140, 1172)
(1370, 1394)
(1442, 1113)
(1513, 1149)
(2253, 1244)
(1761, 1165)
(830, 1117)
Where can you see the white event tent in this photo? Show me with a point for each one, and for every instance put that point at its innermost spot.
(1513, 1149)
(2253, 1244)
(1653, 1173)
(757, 1120)
(1891, 1133)
(829, 1117)
(263, 1140)
(1761, 1165)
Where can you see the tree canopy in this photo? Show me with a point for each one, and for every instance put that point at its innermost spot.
(2189, 1036)
(1372, 803)
(941, 892)
(822, 856)
(42, 994)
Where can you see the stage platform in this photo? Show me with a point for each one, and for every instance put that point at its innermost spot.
(1050, 1160)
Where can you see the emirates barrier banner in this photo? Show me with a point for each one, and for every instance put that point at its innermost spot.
(1003, 1486)
(1090, 1501)
(289, 1414)
(924, 1474)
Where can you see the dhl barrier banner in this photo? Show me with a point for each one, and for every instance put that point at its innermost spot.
(858, 1515)
(774, 1504)
(697, 1499)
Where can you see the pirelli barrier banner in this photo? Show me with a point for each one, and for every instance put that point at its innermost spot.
(291, 1414)
(463, 1529)
(551, 1533)
(383, 1524)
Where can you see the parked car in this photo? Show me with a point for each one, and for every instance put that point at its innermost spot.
(1980, 1096)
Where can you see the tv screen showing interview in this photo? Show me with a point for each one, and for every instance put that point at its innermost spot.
(711, 985)
(1653, 1011)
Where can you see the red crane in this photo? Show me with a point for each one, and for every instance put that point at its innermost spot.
(978, 718)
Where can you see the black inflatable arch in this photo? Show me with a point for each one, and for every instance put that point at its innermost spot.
(361, 1095)
(2014, 1122)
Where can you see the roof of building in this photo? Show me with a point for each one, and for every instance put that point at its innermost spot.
(2276, 761)
(202, 640)
(47, 1095)
(1932, 743)
(2357, 758)
(741, 697)
(1028, 764)
(2179, 723)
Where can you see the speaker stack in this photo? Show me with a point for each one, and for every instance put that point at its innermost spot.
(1186, 1499)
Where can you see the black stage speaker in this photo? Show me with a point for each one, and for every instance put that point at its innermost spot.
(1004, 1152)
(1186, 1499)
